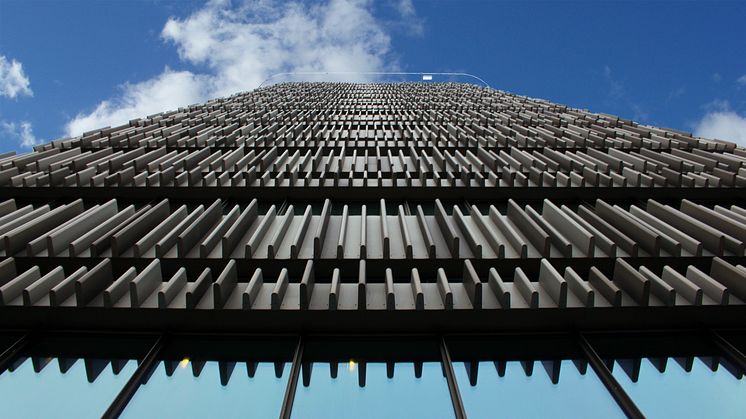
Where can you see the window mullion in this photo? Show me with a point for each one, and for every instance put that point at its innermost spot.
(9, 354)
(612, 385)
(733, 353)
(287, 402)
(458, 404)
(133, 384)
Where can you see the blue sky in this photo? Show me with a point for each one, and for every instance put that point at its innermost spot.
(70, 66)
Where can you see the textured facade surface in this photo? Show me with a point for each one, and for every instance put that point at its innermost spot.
(385, 207)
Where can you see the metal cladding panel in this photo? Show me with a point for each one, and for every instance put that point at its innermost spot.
(374, 207)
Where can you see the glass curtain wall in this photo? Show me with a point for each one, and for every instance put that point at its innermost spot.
(664, 374)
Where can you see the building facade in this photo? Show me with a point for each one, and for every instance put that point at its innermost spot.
(374, 250)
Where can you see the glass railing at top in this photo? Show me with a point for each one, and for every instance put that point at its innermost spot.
(374, 77)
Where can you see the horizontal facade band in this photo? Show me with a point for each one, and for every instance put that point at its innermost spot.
(382, 230)
(544, 285)
(246, 194)
(368, 322)
(467, 167)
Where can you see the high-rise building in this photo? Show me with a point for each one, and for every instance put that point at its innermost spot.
(330, 250)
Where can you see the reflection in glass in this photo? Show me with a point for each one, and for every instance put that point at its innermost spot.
(7, 340)
(62, 387)
(735, 338)
(684, 387)
(373, 390)
(515, 389)
(189, 388)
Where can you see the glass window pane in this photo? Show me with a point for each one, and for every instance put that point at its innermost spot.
(376, 379)
(686, 387)
(201, 389)
(516, 376)
(403, 396)
(69, 390)
(674, 374)
(205, 377)
(69, 376)
(515, 389)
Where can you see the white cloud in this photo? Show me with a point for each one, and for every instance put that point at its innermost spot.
(406, 7)
(169, 90)
(723, 125)
(239, 46)
(717, 105)
(741, 81)
(414, 24)
(20, 133)
(13, 81)
(617, 95)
